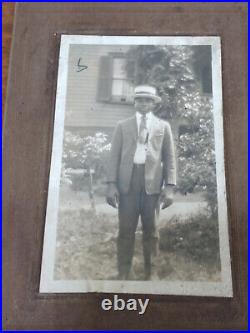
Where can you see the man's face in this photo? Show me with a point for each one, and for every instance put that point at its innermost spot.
(144, 105)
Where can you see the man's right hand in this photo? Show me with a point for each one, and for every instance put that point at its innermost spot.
(112, 196)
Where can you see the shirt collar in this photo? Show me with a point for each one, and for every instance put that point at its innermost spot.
(139, 115)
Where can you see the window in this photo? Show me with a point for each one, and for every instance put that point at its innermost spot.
(122, 88)
(114, 84)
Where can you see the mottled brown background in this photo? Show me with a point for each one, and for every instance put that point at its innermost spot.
(27, 150)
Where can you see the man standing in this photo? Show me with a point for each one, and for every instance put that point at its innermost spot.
(141, 173)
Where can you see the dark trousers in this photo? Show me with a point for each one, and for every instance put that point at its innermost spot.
(132, 205)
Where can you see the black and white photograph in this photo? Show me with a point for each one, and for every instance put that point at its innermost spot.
(137, 197)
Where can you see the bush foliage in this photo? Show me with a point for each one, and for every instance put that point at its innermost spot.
(86, 154)
(196, 238)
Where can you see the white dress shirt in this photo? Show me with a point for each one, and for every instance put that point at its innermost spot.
(141, 149)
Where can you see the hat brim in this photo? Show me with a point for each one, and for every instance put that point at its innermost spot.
(156, 99)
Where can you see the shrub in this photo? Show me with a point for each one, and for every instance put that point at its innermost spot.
(83, 155)
(196, 238)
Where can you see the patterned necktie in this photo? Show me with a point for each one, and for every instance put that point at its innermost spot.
(143, 130)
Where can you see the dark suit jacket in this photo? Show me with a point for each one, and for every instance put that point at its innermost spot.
(160, 165)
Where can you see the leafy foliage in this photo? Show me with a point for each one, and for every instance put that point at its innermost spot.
(196, 158)
(83, 153)
(196, 238)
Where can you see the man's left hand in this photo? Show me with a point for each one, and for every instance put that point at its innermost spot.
(167, 196)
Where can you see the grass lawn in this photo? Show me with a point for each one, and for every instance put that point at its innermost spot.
(86, 248)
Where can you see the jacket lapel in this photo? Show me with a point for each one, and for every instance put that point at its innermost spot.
(132, 129)
(157, 127)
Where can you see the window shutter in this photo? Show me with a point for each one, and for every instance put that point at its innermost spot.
(105, 79)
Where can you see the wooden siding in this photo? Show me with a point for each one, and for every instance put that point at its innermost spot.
(82, 108)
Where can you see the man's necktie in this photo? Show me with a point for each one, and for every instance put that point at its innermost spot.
(143, 132)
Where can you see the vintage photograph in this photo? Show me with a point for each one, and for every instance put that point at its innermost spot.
(137, 196)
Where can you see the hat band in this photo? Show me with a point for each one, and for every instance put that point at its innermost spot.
(145, 93)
